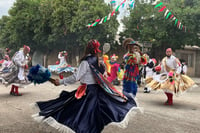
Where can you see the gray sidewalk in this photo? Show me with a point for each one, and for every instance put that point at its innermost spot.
(197, 80)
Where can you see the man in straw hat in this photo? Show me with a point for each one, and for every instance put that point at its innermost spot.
(132, 59)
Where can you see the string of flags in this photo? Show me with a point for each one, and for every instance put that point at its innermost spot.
(169, 15)
(131, 3)
(112, 1)
(106, 18)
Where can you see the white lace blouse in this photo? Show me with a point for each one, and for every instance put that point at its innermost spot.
(83, 74)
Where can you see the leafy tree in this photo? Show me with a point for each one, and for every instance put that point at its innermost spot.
(55, 24)
(146, 24)
(19, 27)
(88, 12)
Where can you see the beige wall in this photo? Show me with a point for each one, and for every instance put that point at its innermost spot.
(52, 58)
(72, 57)
(192, 57)
(76, 54)
(197, 71)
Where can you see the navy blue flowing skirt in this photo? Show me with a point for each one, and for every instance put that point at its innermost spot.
(90, 113)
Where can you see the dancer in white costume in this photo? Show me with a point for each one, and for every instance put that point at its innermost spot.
(148, 73)
(63, 66)
(16, 75)
(171, 81)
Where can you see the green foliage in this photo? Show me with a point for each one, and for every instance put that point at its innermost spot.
(87, 13)
(162, 32)
(55, 24)
(19, 27)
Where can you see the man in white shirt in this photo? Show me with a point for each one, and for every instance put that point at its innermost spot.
(168, 64)
(170, 80)
(19, 59)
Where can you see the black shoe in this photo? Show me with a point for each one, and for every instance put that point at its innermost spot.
(145, 90)
(148, 91)
(12, 93)
(17, 94)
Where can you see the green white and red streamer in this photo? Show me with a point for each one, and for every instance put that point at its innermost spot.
(106, 18)
(169, 15)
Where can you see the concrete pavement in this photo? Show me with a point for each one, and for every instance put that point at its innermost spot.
(182, 117)
(197, 80)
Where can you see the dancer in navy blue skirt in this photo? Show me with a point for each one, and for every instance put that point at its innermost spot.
(93, 105)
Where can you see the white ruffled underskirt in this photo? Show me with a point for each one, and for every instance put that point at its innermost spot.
(65, 129)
